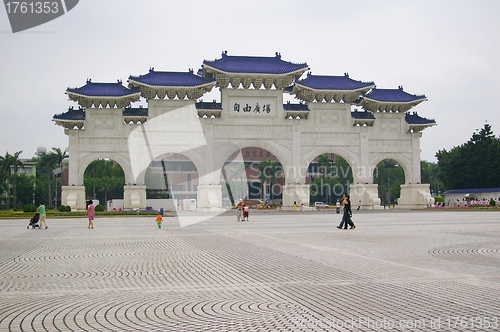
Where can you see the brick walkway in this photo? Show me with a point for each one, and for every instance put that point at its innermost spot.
(397, 271)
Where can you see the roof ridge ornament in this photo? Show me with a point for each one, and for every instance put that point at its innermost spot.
(346, 75)
(119, 81)
(89, 80)
(151, 69)
(190, 70)
(278, 55)
(224, 54)
(400, 87)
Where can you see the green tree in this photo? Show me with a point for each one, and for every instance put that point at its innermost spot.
(46, 164)
(471, 165)
(343, 174)
(24, 189)
(429, 174)
(109, 180)
(269, 170)
(389, 176)
(325, 168)
(59, 157)
(8, 162)
(234, 177)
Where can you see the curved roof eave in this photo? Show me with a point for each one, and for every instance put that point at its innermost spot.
(416, 101)
(135, 94)
(213, 83)
(337, 91)
(231, 73)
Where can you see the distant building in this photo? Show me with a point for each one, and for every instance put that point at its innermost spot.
(462, 195)
(28, 168)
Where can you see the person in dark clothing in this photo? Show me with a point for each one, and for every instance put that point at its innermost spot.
(346, 217)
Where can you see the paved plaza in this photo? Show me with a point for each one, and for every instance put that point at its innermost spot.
(397, 271)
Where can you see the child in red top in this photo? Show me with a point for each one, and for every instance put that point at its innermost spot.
(245, 211)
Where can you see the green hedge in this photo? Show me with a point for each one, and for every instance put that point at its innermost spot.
(29, 208)
(99, 208)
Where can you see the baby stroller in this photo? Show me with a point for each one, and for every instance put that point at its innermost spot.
(34, 221)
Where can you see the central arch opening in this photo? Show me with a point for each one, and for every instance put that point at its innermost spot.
(389, 175)
(104, 180)
(329, 176)
(254, 175)
(171, 176)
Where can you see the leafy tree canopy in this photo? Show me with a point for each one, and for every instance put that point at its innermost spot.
(474, 164)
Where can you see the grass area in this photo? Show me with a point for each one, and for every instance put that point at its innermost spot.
(56, 213)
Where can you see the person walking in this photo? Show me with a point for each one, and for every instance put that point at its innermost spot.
(159, 219)
(90, 213)
(294, 207)
(346, 217)
(302, 208)
(43, 216)
(359, 205)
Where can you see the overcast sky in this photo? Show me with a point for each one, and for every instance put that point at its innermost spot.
(447, 50)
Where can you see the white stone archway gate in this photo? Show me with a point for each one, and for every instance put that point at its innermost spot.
(251, 113)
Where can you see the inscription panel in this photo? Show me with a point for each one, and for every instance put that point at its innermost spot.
(253, 107)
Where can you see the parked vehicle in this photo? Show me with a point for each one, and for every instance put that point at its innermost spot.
(321, 205)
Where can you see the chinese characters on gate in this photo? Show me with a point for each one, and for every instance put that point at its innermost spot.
(266, 108)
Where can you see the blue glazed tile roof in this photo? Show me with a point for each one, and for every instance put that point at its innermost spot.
(255, 64)
(135, 111)
(414, 118)
(362, 115)
(318, 82)
(295, 107)
(392, 95)
(163, 78)
(92, 89)
(71, 114)
(472, 191)
(203, 105)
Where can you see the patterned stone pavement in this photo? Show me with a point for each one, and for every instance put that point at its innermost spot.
(397, 271)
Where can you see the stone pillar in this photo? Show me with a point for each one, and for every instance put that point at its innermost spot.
(297, 190)
(415, 165)
(209, 198)
(367, 194)
(295, 193)
(134, 197)
(364, 190)
(209, 195)
(415, 196)
(74, 196)
(74, 162)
